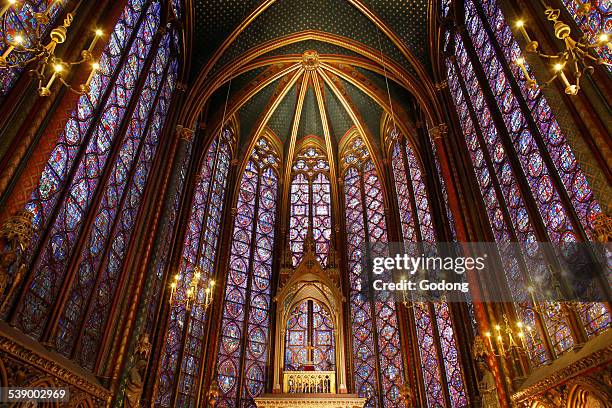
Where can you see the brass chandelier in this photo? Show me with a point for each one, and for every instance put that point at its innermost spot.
(39, 51)
(577, 57)
(191, 297)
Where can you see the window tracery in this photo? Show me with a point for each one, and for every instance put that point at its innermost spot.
(375, 330)
(241, 367)
(433, 323)
(88, 199)
(310, 203)
(199, 251)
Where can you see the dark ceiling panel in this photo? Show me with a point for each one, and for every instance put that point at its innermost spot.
(370, 111)
(290, 16)
(408, 19)
(251, 111)
(310, 121)
(399, 94)
(339, 119)
(214, 20)
(282, 118)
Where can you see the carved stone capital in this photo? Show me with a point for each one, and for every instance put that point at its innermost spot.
(441, 85)
(438, 132)
(184, 133)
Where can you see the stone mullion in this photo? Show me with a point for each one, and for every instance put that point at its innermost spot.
(12, 316)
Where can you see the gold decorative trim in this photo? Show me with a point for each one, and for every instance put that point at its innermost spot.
(284, 401)
(602, 357)
(41, 362)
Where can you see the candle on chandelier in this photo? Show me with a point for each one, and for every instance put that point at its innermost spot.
(94, 67)
(520, 24)
(17, 40)
(97, 35)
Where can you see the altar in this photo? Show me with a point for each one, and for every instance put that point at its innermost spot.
(309, 362)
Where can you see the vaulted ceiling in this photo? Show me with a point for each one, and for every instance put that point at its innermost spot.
(372, 57)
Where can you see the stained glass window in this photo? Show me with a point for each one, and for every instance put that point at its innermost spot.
(310, 204)
(375, 334)
(242, 362)
(20, 21)
(89, 197)
(593, 18)
(537, 145)
(64, 220)
(309, 338)
(417, 226)
(199, 250)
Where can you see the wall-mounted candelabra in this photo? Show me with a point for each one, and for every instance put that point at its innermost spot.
(191, 297)
(39, 50)
(509, 337)
(576, 59)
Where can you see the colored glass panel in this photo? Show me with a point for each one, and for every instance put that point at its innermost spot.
(573, 179)
(412, 198)
(243, 348)
(310, 204)
(111, 209)
(199, 250)
(57, 250)
(376, 340)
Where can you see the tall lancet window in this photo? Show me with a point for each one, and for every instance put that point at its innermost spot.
(436, 340)
(88, 199)
(310, 203)
(21, 24)
(242, 362)
(178, 381)
(513, 135)
(375, 331)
